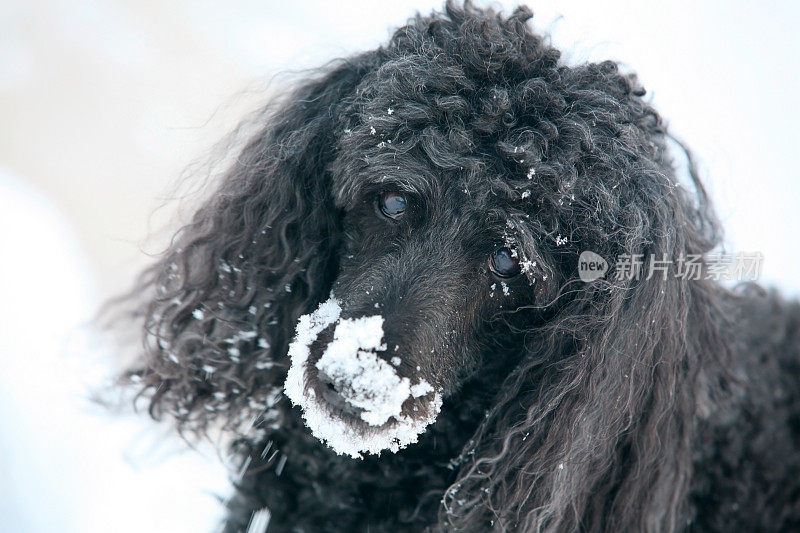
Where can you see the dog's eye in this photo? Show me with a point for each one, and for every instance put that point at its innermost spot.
(392, 204)
(504, 262)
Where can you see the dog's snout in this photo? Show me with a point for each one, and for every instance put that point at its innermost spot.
(332, 395)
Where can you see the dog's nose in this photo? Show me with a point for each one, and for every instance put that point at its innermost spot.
(334, 397)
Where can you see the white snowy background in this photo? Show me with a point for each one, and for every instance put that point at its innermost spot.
(103, 103)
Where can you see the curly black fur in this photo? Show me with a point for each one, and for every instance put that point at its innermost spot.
(622, 405)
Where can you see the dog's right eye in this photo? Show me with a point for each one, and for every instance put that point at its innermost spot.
(504, 262)
(392, 204)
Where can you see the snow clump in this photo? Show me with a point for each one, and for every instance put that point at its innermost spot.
(366, 381)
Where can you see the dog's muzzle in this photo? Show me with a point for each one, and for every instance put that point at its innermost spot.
(351, 397)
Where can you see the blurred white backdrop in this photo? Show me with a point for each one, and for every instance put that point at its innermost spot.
(102, 104)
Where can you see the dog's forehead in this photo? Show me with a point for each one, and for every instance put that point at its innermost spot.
(428, 164)
(436, 140)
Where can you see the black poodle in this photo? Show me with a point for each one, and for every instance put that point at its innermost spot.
(384, 302)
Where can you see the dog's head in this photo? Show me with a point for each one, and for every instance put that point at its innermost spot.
(412, 217)
(438, 251)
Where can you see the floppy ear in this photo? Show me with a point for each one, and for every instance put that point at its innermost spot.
(220, 305)
(592, 430)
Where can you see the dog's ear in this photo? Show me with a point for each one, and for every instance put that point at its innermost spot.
(218, 308)
(592, 430)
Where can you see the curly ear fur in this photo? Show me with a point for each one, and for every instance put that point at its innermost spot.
(595, 423)
(222, 301)
(592, 429)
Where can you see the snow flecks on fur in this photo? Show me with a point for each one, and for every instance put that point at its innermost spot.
(527, 266)
(365, 380)
(242, 336)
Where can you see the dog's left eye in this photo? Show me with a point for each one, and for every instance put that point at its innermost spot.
(392, 204)
(504, 262)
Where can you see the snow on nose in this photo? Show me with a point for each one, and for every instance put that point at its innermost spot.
(351, 364)
(369, 387)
